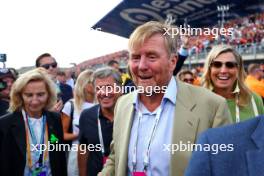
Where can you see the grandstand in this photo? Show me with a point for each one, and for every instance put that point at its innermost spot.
(94, 63)
(247, 38)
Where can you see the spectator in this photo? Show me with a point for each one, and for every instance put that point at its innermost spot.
(253, 79)
(83, 99)
(146, 120)
(197, 77)
(114, 64)
(238, 150)
(64, 92)
(262, 69)
(49, 63)
(96, 123)
(69, 78)
(182, 54)
(186, 76)
(224, 75)
(126, 78)
(61, 77)
(7, 78)
(29, 126)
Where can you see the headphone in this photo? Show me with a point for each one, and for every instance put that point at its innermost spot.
(3, 85)
(7, 72)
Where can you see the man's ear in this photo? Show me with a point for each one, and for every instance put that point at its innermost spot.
(174, 60)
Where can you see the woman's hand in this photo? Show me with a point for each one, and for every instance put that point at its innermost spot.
(58, 106)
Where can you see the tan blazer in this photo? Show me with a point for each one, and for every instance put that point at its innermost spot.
(197, 109)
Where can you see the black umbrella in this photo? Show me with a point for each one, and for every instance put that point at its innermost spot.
(126, 16)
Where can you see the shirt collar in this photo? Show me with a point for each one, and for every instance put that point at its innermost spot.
(170, 94)
(171, 91)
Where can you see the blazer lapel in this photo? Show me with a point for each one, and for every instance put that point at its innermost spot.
(184, 127)
(51, 131)
(19, 133)
(255, 157)
(125, 136)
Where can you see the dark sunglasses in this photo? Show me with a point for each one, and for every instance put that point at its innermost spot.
(218, 64)
(47, 66)
(188, 80)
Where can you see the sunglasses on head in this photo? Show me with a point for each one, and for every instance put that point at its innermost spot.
(218, 64)
(188, 80)
(47, 66)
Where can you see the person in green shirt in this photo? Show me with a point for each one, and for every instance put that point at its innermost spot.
(225, 75)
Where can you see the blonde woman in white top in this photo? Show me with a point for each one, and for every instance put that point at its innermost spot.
(83, 98)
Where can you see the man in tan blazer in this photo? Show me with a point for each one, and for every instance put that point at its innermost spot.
(149, 126)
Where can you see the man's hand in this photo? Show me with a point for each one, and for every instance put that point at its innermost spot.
(185, 39)
(100, 174)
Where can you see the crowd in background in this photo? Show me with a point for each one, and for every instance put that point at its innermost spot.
(246, 30)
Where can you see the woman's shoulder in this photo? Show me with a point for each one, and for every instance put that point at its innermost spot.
(8, 119)
(256, 97)
(52, 114)
(259, 102)
(89, 112)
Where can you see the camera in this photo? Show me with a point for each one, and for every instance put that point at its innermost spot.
(2, 57)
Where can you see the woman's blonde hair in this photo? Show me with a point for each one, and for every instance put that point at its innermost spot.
(244, 94)
(80, 92)
(38, 74)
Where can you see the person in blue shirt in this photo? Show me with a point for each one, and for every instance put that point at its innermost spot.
(241, 152)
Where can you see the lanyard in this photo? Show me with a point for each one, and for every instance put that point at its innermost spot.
(100, 132)
(255, 110)
(147, 152)
(29, 131)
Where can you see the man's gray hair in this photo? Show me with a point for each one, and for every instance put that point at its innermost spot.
(106, 72)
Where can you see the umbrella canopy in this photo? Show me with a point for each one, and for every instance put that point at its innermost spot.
(126, 16)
